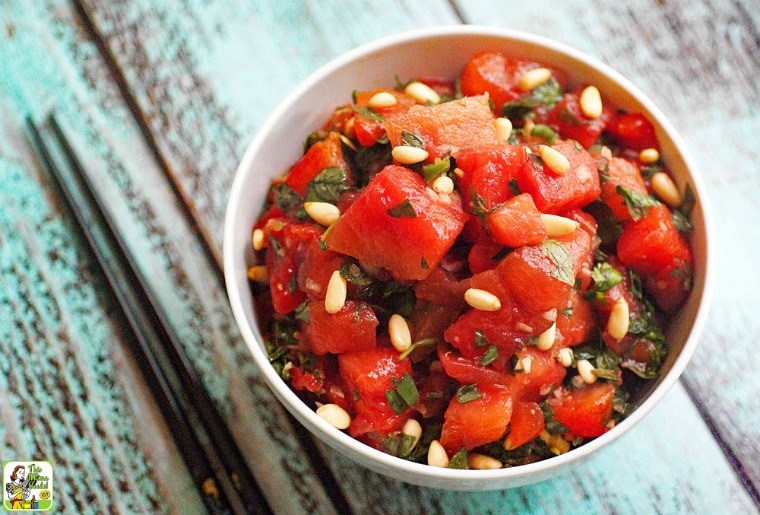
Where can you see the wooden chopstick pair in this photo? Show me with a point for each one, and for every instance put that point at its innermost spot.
(218, 469)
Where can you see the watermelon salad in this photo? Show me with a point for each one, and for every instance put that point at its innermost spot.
(477, 272)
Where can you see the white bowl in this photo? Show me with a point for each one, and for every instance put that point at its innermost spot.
(443, 52)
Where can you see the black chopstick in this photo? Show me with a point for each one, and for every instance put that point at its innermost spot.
(216, 464)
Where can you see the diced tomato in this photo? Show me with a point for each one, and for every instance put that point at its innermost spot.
(496, 74)
(487, 172)
(435, 388)
(350, 329)
(476, 422)
(633, 130)
(554, 193)
(621, 172)
(526, 423)
(445, 128)
(545, 374)
(370, 372)
(568, 120)
(516, 222)
(470, 370)
(653, 247)
(322, 154)
(585, 412)
(369, 129)
(397, 225)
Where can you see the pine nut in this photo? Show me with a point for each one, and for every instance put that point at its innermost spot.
(533, 78)
(437, 456)
(258, 239)
(586, 371)
(414, 429)
(482, 300)
(503, 129)
(422, 93)
(591, 102)
(558, 225)
(554, 159)
(443, 185)
(619, 319)
(334, 415)
(527, 364)
(482, 462)
(459, 172)
(407, 155)
(398, 330)
(348, 129)
(527, 129)
(382, 99)
(335, 296)
(550, 315)
(565, 356)
(347, 141)
(665, 189)
(556, 443)
(546, 339)
(649, 156)
(323, 213)
(258, 274)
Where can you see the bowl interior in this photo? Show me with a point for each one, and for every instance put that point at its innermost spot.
(440, 52)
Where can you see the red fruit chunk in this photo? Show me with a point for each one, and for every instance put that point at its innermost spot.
(396, 224)
(533, 279)
(496, 74)
(516, 222)
(445, 128)
(487, 171)
(317, 266)
(369, 128)
(576, 322)
(476, 422)
(526, 423)
(370, 372)
(322, 154)
(621, 172)
(546, 373)
(633, 130)
(350, 329)
(585, 412)
(554, 193)
(568, 120)
(470, 370)
(653, 248)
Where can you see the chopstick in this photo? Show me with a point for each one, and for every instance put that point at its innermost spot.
(224, 481)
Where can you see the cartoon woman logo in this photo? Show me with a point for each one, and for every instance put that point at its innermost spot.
(18, 489)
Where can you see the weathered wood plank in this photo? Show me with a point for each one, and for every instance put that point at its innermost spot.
(699, 62)
(110, 433)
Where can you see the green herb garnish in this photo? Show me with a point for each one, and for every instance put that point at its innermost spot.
(404, 209)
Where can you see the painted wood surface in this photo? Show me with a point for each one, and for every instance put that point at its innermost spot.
(160, 98)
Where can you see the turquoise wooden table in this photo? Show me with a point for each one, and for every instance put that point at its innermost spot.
(160, 98)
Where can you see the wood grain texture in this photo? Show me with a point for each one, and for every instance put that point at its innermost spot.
(48, 64)
(699, 62)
